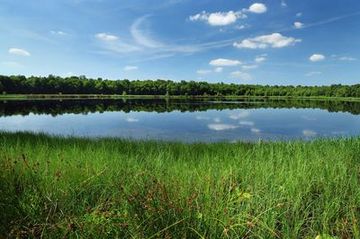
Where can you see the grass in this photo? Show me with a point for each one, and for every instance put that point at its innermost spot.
(55, 187)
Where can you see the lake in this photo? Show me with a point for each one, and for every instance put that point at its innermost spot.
(204, 120)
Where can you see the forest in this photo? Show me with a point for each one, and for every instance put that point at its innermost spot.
(19, 84)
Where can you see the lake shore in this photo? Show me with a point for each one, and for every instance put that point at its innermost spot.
(94, 96)
(57, 187)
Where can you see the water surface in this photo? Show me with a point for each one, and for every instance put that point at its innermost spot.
(184, 120)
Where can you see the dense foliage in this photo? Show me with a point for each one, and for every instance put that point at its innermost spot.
(82, 85)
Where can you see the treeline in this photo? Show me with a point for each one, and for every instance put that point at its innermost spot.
(82, 85)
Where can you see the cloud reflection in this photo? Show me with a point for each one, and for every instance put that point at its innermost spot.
(219, 127)
(239, 115)
(199, 117)
(255, 130)
(247, 123)
(131, 120)
(309, 133)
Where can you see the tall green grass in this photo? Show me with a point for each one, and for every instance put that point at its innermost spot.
(53, 187)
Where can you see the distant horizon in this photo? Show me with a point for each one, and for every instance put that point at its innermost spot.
(257, 42)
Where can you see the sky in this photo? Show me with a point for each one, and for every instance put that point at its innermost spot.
(268, 42)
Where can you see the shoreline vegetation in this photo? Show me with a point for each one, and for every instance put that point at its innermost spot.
(64, 187)
(87, 87)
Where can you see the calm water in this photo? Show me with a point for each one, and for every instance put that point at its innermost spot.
(181, 120)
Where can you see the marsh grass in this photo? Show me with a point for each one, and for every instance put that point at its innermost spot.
(54, 187)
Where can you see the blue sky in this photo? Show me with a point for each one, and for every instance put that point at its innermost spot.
(280, 42)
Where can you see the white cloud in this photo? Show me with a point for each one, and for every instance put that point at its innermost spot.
(130, 68)
(309, 133)
(222, 18)
(203, 16)
(241, 75)
(274, 40)
(218, 69)
(60, 33)
(131, 120)
(19, 52)
(224, 62)
(260, 59)
(241, 27)
(227, 18)
(299, 14)
(249, 67)
(298, 25)
(347, 58)
(313, 73)
(139, 35)
(219, 127)
(283, 3)
(316, 57)
(247, 123)
(239, 115)
(257, 8)
(203, 72)
(106, 37)
(218, 18)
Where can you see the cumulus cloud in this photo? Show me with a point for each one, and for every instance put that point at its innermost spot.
(227, 18)
(224, 62)
(257, 8)
(130, 68)
(218, 18)
(106, 37)
(299, 14)
(19, 52)
(298, 25)
(316, 57)
(241, 75)
(220, 127)
(274, 40)
(283, 3)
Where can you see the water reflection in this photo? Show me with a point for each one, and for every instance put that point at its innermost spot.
(184, 120)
